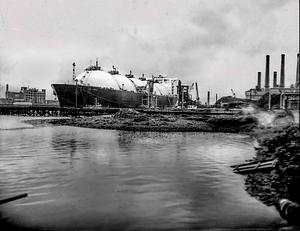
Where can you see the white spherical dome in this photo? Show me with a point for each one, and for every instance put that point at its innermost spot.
(124, 83)
(138, 82)
(97, 79)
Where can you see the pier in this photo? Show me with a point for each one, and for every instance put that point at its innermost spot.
(33, 110)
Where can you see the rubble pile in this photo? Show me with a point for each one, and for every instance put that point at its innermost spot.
(283, 144)
(240, 123)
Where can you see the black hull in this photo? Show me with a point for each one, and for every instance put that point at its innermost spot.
(90, 96)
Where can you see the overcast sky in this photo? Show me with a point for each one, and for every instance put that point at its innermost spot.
(221, 44)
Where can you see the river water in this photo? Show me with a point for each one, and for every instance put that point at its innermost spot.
(90, 179)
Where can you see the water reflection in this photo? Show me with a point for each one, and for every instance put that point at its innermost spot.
(89, 178)
(66, 145)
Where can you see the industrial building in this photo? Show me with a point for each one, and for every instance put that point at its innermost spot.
(26, 96)
(289, 96)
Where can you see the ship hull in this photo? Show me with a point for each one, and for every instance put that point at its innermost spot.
(91, 96)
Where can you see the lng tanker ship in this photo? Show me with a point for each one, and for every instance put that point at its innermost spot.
(96, 87)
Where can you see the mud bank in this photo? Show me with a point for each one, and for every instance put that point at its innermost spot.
(131, 120)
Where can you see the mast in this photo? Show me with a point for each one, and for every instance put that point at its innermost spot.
(74, 75)
(76, 82)
(76, 92)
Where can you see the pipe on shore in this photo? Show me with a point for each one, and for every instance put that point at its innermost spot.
(289, 210)
(9, 199)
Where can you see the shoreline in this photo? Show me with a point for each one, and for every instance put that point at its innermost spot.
(130, 120)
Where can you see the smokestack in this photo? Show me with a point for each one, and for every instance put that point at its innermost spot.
(258, 81)
(6, 92)
(275, 79)
(208, 96)
(97, 62)
(267, 74)
(216, 97)
(297, 71)
(282, 71)
(197, 94)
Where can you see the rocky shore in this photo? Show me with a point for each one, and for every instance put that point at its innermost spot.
(131, 120)
(283, 182)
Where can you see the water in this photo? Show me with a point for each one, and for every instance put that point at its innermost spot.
(79, 178)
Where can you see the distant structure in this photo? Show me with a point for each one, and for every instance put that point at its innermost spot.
(188, 95)
(183, 94)
(26, 96)
(289, 96)
(208, 98)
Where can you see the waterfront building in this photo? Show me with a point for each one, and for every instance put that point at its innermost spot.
(4, 101)
(35, 96)
(26, 96)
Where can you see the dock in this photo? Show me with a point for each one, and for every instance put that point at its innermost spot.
(46, 110)
(254, 166)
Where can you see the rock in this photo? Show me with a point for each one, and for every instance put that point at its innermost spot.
(282, 143)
